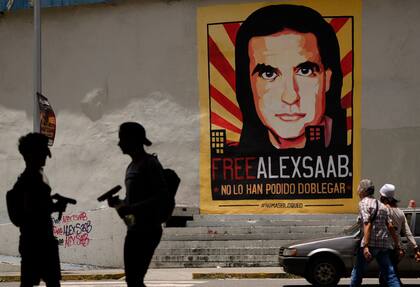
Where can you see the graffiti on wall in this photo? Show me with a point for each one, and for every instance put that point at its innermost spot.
(73, 230)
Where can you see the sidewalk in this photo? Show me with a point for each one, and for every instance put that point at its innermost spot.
(9, 272)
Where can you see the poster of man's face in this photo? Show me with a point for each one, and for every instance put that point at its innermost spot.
(288, 83)
(279, 106)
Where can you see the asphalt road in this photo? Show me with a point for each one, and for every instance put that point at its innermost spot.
(216, 283)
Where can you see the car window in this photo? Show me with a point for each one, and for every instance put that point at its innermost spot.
(351, 230)
(417, 227)
(408, 217)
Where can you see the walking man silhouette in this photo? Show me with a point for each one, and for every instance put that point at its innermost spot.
(146, 190)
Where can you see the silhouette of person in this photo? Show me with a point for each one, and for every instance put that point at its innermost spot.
(288, 78)
(146, 189)
(37, 245)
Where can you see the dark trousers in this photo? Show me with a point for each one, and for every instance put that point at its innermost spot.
(139, 247)
(40, 260)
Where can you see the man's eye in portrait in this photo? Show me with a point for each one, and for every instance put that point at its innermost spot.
(265, 72)
(307, 69)
(269, 76)
(305, 72)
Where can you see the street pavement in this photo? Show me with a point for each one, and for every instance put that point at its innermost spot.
(86, 276)
(214, 283)
(9, 271)
(91, 276)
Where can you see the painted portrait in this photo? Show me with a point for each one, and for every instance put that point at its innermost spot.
(288, 79)
(281, 105)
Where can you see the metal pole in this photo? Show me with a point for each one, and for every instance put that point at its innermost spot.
(37, 63)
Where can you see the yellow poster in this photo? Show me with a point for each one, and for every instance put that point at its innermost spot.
(280, 88)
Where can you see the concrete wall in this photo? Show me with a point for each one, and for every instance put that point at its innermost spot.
(94, 237)
(126, 51)
(390, 95)
(137, 60)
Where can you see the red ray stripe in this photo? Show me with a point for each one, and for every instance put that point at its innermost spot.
(232, 30)
(232, 143)
(347, 63)
(221, 122)
(349, 121)
(221, 64)
(338, 23)
(225, 102)
(346, 101)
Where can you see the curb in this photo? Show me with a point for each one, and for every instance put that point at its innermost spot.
(71, 277)
(260, 275)
(201, 276)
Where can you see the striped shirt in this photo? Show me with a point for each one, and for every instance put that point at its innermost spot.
(379, 236)
(399, 221)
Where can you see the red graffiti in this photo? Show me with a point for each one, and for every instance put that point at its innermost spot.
(77, 239)
(74, 217)
(57, 230)
(73, 230)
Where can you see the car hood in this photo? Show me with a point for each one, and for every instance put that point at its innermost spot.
(329, 239)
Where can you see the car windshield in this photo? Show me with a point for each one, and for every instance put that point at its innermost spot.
(351, 230)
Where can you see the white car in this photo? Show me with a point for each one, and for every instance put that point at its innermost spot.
(322, 262)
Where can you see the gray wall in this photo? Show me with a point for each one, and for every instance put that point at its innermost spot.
(391, 95)
(141, 59)
(102, 244)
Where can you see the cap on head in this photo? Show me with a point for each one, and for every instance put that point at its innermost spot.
(388, 191)
(135, 132)
(34, 143)
(366, 185)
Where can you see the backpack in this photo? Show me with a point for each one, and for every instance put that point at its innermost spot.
(172, 182)
(14, 206)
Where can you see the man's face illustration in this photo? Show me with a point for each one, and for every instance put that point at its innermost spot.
(288, 82)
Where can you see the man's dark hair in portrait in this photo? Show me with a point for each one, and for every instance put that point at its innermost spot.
(32, 209)
(146, 190)
(272, 21)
